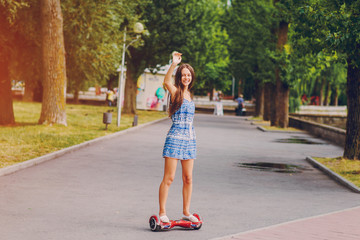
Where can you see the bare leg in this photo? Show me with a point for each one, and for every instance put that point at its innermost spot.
(169, 174)
(187, 170)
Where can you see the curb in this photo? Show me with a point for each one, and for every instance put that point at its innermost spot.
(339, 179)
(50, 156)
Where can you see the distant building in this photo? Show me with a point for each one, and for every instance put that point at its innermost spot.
(151, 94)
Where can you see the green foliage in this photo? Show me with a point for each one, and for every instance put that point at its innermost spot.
(319, 47)
(93, 38)
(20, 39)
(217, 39)
(294, 101)
(10, 8)
(252, 43)
(168, 26)
(207, 50)
(334, 25)
(193, 28)
(313, 51)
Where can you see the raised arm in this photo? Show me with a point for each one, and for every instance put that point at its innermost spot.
(167, 80)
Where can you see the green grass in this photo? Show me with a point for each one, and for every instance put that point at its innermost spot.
(273, 128)
(349, 169)
(27, 139)
(266, 125)
(256, 119)
(261, 122)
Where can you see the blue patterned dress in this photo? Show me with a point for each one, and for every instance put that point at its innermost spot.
(180, 141)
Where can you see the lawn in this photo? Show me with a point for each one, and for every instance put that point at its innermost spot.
(27, 139)
(266, 125)
(273, 128)
(349, 169)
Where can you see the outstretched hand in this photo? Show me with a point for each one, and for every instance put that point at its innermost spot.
(176, 58)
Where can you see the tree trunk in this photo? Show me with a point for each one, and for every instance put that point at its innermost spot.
(267, 100)
(28, 94)
(322, 91)
(273, 110)
(259, 106)
(315, 88)
(130, 93)
(327, 91)
(76, 96)
(53, 61)
(282, 91)
(240, 90)
(336, 97)
(282, 105)
(6, 103)
(38, 93)
(352, 139)
(112, 81)
(134, 68)
(33, 90)
(211, 94)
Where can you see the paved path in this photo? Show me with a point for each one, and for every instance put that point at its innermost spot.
(342, 225)
(110, 189)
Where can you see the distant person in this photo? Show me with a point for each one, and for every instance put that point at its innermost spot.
(215, 96)
(314, 100)
(110, 97)
(220, 96)
(240, 101)
(218, 109)
(304, 99)
(180, 143)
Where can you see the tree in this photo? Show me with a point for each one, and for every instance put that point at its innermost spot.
(251, 47)
(310, 64)
(335, 23)
(207, 49)
(54, 68)
(6, 108)
(170, 25)
(26, 64)
(281, 95)
(93, 39)
(282, 89)
(8, 17)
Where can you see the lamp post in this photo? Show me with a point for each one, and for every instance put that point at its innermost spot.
(138, 28)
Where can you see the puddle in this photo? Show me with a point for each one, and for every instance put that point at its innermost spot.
(275, 167)
(298, 140)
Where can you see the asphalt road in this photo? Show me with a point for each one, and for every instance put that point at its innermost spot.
(110, 189)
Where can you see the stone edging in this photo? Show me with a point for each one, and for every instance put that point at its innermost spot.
(32, 162)
(329, 133)
(339, 179)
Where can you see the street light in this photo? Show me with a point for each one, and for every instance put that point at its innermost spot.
(138, 28)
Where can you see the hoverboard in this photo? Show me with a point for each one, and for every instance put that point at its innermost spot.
(157, 225)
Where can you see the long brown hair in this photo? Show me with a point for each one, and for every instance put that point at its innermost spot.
(179, 94)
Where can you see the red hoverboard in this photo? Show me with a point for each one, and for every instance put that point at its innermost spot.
(157, 225)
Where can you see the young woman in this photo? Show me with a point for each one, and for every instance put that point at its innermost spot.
(180, 143)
